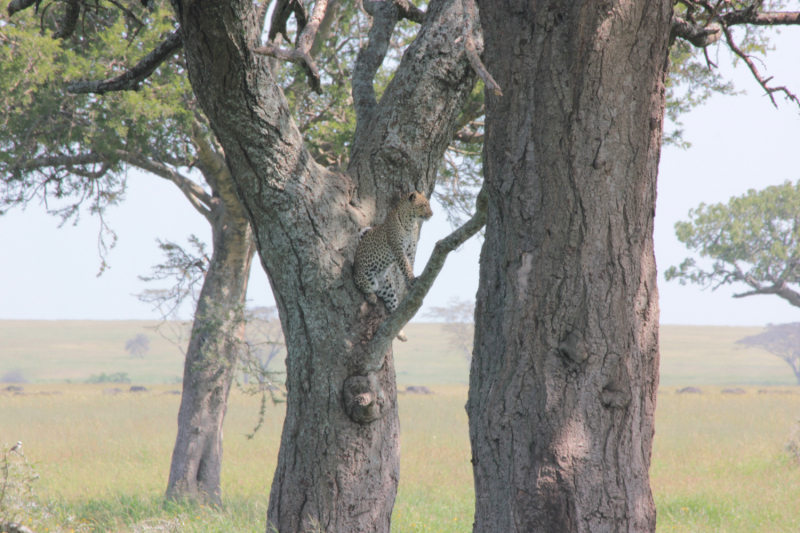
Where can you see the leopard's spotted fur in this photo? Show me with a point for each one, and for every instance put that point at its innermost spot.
(394, 241)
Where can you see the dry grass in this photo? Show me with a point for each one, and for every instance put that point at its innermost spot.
(719, 463)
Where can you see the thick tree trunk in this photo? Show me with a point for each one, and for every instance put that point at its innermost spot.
(565, 368)
(217, 337)
(339, 456)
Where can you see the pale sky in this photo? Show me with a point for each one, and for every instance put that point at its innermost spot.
(739, 143)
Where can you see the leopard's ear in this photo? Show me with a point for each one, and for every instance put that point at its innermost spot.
(411, 196)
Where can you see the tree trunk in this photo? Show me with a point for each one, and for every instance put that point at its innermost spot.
(565, 369)
(339, 456)
(217, 337)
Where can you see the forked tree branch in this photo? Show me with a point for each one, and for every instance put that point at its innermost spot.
(301, 53)
(472, 52)
(697, 35)
(754, 70)
(130, 80)
(721, 23)
(382, 339)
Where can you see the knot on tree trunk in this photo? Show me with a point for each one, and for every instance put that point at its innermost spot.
(364, 398)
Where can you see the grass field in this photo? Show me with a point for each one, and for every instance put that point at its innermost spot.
(719, 463)
(55, 351)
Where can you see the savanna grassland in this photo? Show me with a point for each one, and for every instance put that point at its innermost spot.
(719, 460)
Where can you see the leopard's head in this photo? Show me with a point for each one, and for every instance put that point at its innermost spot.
(420, 206)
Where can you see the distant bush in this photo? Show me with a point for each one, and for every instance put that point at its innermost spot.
(138, 346)
(13, 376)
(119, 377)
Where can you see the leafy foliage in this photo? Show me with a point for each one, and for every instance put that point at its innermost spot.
(754, 238)
(41, 119)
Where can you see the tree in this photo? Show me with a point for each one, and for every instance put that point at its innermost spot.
(458, 317)
(754, 239)
(66, 147)
(565, 365)
(338, 463)
(138, 346)
(782, 340)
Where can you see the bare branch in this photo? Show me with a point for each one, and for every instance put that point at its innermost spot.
(130, 80)
(413, 301)
(301, 53)
(749, 16)
(472, 52)
(749, 62)
(369, 60)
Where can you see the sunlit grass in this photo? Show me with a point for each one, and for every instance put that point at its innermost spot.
(719, 463)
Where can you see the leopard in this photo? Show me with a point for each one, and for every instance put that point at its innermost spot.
(393, 242)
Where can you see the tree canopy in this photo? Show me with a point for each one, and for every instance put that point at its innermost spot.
(754, 240)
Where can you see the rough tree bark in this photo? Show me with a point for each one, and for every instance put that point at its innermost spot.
(339, 456)
(565, 368)
(216, 338)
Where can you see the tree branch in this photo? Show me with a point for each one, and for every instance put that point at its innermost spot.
(301, 54)
(67, 24)
(16, 6)
(199, 198)
(472, 52)
(698, 36)
(369, 60)
(413, 301)
(60, 160)
(749, 62)
(409, 11)
(780, 289)
(130, 80)
(750, 16)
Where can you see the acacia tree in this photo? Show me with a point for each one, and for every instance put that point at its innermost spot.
(753, 240)
(782, 340)
(338, 463)
(66, 147)
(565, 366)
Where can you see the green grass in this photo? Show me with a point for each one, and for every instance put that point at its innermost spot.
(719, 463)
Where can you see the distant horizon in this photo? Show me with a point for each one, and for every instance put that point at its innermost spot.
(412, 321)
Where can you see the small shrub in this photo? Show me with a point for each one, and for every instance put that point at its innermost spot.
(119, 377)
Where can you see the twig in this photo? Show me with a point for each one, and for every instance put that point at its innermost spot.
(749, 62)
(130, 80)
(472, 52)
(301, 54)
